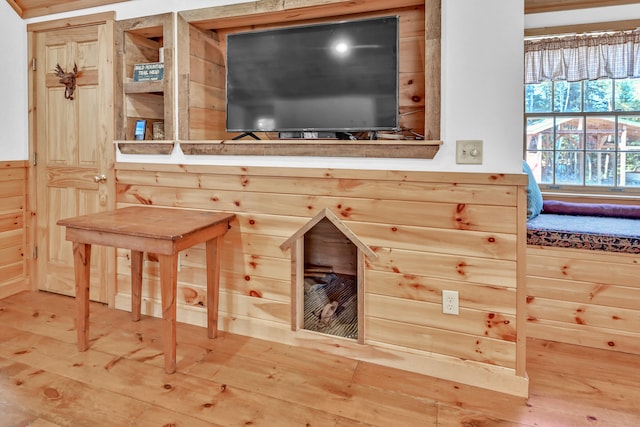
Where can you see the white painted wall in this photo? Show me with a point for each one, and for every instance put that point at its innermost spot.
(13, 85)
(481, 87)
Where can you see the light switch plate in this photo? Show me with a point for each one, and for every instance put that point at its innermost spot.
(469, 151)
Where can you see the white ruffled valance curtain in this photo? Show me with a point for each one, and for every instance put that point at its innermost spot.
(584, 57)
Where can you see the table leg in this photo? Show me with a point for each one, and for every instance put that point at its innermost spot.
(82, 266)
(169, 284)
(136, 284)
(214, 252)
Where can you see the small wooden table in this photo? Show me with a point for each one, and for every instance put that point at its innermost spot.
(163, 231)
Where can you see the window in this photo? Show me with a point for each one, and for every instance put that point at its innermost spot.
(582, 111)
(584, 133)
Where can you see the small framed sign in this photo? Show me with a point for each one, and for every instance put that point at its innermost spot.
(150, 72)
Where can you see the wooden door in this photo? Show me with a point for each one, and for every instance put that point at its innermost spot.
(73, 149)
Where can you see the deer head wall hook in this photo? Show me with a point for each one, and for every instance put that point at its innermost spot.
(68, 80)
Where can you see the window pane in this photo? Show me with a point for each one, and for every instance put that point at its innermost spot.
(569, 167)
(628, 131)
(541, 164)
(567, 97)
(598, 95)
(600, 168)
(540, 133)
(601, 133)
(538, 98)
(628, 95)
(569, 133)
(629, 169)
(546, 169)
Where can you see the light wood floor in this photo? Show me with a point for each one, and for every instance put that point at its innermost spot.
(239, 381)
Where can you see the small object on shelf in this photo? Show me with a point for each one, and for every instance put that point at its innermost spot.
(141, 128)
(150, 72)
(158, 131)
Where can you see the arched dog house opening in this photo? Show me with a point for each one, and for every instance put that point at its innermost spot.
(327, 281)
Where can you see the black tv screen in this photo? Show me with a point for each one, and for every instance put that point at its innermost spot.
(336, 77)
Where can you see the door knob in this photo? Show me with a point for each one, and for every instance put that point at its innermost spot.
(100, 178)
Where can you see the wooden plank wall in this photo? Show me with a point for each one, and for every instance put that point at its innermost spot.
(13, 228)
(584, 297)
(431, 231)
(207, 51)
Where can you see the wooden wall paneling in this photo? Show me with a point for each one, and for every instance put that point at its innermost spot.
(469, 243)
(433, 69)
(401, 187)
(584, 297)
(183, 55)
(14, 271)
(584, 292)
(411, 58)
(344, 175)
(467, 217)
(438, 341)
(622, 319)
(499, 299)
(473, 322)
(592, 266)
(420, 226)
(362, 276)
(521, 289)
(448, 266)
(206, 94)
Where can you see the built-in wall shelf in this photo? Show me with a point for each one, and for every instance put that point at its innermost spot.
(315, 147)
(144, 87)
(202, 50)
(306, 147)
(145, 147)
(146, 41)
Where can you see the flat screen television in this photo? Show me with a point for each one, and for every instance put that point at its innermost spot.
(332, 77)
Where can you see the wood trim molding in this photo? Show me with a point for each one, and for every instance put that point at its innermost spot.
(433, 69)
(34, 8)
(145, 147)
(541, 6)
(250, 14)
(15, 6)
(79, 21)
(625, 25)
(317, 148)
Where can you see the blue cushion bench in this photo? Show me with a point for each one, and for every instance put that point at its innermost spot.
(585, 232)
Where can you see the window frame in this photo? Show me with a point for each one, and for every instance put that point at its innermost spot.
(590, 192)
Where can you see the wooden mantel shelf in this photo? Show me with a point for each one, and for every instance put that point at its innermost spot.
(314, 148)
(145, 147)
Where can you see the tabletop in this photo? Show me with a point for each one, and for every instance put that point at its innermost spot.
(146, 221)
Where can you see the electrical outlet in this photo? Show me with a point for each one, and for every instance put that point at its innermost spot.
(469, 152)
(450, 303)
